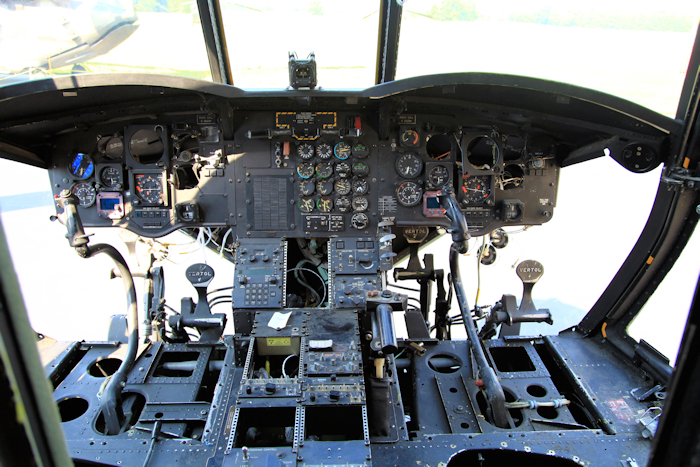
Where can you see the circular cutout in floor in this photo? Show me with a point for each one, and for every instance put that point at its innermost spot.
(72, 408)
(535, 390)
(104, 367)
(443, 363)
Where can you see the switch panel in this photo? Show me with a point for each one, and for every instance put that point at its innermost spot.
(259, 278)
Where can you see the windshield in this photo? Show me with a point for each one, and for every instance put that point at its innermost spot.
(635, 50)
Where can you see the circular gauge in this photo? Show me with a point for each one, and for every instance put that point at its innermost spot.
(409, 165)
(359, 220)
(360, 186)
(81, 166)
(114, 148)
(409, 138)
(483, 153)
(360, 169)
(146, 147)
(342, 151)
(324, 169)
(409, 193)
(343, 187)
(360, 204)
(306, 204)
(85, 193)
(305, 170)
(360, 150)
(476, 189)
(324, 204)
(343, 204)
(305, 151)
(324, 151)
(149, 187)
(324, 187)
(342, 169)
(306, 187)
(439, 175)
(111, 177)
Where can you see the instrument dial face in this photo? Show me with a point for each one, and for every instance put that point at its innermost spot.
(324, 187)
(360, 204)
(360, 150)
(85, 193)
(114, 148)
(307, 187)
(306, 204)
(360, 186)
(324, 204)
(477, 189)
(343, 186)
(324, 151)
(343, 204)
(409, 193)
(359, 220)
(81, 166)
(360, 169)
(439, 175)
(342, 151)
(342, 169)
(305, 170)
(324, 169)
(409, 165)
(149, 187)
(409, 138)
(305, 151)
(111, 177)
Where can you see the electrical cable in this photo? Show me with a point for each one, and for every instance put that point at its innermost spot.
(284, 363)
(223, 243)
(219, 290)
(213, 304)
(312, 272)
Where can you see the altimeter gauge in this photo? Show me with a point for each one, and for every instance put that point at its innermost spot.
(409, 193)
(86, 194)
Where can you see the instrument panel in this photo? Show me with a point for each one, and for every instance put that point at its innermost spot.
(294, 173)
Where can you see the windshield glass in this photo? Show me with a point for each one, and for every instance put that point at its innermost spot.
(44, 38)
(635, 50)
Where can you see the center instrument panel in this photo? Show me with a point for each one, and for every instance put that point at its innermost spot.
(320, 173)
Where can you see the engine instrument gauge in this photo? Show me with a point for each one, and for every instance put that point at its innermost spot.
(305, 151)
(343, 204)
(438, 176)
(324, 151)
(111, 177)
(324, 204)
(342, 151)
(409, 193)
(146, 146)
(113, 148)
(360, 169)
(360, 204)
(81, 166)
(307, 187)
(477, 189)
(342, 169)
(324, 169)
(324, 187)
(306, 204)
(409, 138)
(409, 165)
(359, 220)
(360, 186)
(149, 188)
(86, 194)
(360, 150)
(305, 170)
(343, 186)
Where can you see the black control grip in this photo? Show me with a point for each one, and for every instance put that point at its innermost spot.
(459, 226)
(71, 219)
